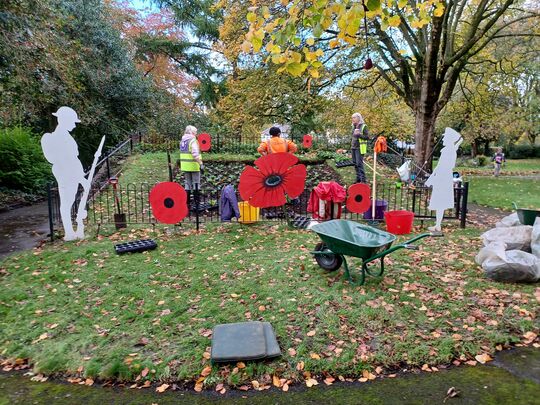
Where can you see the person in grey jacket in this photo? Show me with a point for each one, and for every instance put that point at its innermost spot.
(228, 204)
(360, 137)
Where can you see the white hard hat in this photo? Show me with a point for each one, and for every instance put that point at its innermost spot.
(66, 114)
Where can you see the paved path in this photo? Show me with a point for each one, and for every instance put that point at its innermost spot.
(484, 217)
(513, 378)
(23, 228)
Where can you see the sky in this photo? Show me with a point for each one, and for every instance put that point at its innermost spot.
(143, 5)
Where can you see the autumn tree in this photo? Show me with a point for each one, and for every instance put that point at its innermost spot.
(497, 101)
(419, 48)
(67, 52)
(195, 53)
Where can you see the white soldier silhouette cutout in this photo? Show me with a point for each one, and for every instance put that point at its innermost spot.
(442, 179)
(61, 150)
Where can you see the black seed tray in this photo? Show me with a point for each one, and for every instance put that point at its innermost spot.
(345, 163)
(202, 207)
(300, 222)
(135, 246)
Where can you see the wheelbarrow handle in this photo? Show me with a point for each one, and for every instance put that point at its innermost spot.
(405, 245)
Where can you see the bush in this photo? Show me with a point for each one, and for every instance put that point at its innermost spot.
(390, 159)
(482, 160)
(22, 164)
(522, 151)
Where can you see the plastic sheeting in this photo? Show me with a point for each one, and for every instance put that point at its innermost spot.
(535, 238)
(515, 238)
(500, 264)
(508, 221)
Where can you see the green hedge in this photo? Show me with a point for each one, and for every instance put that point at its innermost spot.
(22, 164)
(522, 151)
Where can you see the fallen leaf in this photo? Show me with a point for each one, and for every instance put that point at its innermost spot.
(311, 333)
(451, 393)
(162, 388)
(145, 371)
(483, 358)
(198, 387)
(329, 380)
(240, 365)
(142, 342)
(89, 382)
(285, 387)
(206, 371)
(310, 382)
(276, 381)
(315, 356)
(291, 352)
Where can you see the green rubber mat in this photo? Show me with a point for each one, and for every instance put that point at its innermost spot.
(244, 341)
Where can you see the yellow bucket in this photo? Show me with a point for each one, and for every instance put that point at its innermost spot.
(248, 214)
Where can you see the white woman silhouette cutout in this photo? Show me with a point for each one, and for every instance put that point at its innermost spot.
(442, 179)
(61, 150)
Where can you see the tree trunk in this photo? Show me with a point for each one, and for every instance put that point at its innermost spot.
(487, 151)
(474, 148)
(423, 138)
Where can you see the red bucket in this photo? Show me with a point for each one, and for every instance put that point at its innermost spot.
(399, 222)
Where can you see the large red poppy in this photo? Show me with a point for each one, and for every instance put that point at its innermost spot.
(358, 200)
(169, 202)
(277, 176)
(205, 142)
(307, 141)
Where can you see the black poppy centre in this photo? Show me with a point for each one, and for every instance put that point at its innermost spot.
(273, 180)
(358, 198)
(168, 202)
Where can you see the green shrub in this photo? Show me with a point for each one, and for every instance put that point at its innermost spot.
(482, 160)
(22, 164)
(522, 151)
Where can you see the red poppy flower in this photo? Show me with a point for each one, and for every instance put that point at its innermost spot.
(204, 142)
(169, 202)
(277, 176)
(359, 200)
(307, 141)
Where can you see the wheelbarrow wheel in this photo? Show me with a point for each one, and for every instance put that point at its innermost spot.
(329, 261)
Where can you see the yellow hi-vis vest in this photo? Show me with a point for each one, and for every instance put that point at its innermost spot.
(362, 142)
(187, 161)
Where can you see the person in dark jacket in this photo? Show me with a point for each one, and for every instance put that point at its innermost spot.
(360, 137)
(228, 203)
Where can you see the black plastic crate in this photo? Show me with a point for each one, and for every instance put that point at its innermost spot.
(203, 206)
(300, 222)
(345, 163)
(135, 246)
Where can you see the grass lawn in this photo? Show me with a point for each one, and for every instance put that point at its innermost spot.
(500, 192)
(78, 309)
(511, 167)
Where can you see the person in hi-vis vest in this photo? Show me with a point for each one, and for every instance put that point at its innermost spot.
(360, 137)
(276, 144)
(190, 159)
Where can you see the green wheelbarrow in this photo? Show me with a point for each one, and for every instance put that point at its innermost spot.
(342, 238)
(526, 216)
